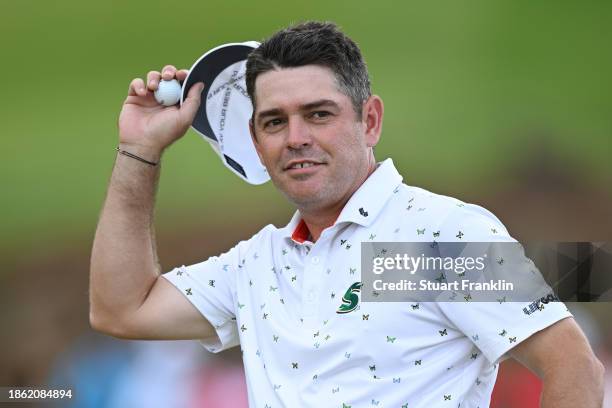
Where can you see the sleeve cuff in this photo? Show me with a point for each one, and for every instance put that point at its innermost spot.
(226, 329)
(497, 351)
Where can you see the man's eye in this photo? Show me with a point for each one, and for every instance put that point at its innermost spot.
(273, 122)
(320, 114)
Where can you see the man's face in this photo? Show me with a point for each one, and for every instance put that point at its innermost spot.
(309, 137)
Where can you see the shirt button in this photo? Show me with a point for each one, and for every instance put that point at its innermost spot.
(315, 260)
(311, 296)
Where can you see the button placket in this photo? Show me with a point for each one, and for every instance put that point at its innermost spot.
(310, 299)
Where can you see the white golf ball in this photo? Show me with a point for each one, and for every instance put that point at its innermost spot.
(168, 93)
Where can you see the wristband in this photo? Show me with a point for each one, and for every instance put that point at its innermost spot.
(133, 156)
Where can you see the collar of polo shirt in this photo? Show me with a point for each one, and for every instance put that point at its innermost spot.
(362, 208)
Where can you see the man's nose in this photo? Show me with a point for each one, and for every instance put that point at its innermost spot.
(298, 133)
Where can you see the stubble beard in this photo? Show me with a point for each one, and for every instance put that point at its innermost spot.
(317, 199)
(338, 187)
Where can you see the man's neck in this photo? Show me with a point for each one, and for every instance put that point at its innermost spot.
(319, 219)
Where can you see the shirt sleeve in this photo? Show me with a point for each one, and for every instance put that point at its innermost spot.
(211, 287)
(495, 327)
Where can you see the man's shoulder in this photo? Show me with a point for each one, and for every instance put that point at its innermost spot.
(422, 196)
(265, 235)
(419, 201)
(261, 239)
(441, 211)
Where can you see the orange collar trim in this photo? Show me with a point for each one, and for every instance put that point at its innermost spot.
(301, 232)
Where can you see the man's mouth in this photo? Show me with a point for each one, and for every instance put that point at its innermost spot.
(301, 164)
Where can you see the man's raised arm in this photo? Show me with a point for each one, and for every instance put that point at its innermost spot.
(128, 297)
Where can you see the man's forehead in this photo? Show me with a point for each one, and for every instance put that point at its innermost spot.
(286, 88)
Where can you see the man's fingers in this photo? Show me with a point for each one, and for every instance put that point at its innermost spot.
(168, 72)
(192, 103)
(137, 88)
(153, 78)
(182, 74)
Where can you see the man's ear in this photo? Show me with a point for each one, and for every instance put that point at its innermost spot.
(254, 139)
(372, 118)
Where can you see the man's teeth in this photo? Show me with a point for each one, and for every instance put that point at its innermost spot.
(302, 165)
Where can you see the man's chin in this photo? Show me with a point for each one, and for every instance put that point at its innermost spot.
(304, 194)
(301, 190)
(302, 182)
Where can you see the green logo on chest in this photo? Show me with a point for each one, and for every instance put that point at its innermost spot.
(350, 300)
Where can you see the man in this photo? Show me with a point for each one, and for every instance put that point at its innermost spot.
(279, 294)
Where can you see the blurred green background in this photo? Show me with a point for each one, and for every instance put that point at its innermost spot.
(507, 104)
(467, 88)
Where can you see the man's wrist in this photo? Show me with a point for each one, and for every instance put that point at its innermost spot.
(148, 153)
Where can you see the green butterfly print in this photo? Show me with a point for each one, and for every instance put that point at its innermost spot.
(350, 298)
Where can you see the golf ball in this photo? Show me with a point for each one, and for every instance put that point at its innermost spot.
(168, 93)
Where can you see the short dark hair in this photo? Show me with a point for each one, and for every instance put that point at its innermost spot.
(316, 43)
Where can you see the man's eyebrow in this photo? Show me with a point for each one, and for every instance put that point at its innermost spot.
(319, 104)
(308, 106)
(270, 112)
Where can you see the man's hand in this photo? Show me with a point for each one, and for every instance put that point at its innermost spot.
(562, 357)
(145, 123)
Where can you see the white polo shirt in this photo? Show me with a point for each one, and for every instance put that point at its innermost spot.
(277, 295)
